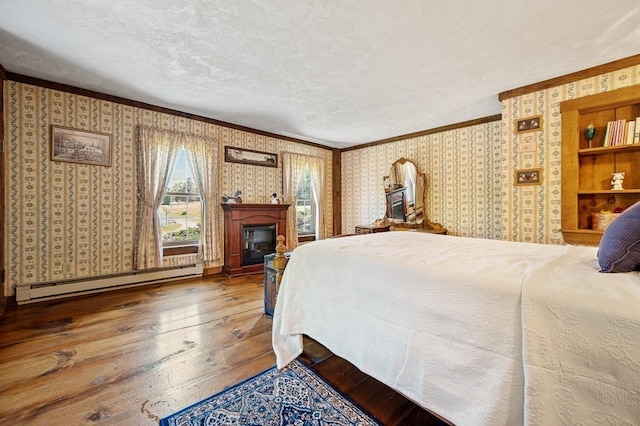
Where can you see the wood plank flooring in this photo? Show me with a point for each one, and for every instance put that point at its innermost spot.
(131, 357)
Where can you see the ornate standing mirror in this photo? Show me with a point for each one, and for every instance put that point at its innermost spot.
(405, 194)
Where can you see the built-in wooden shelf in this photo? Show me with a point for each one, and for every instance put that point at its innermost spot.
(609, 191)
(587, 172)
(605, 149)
(583, 237)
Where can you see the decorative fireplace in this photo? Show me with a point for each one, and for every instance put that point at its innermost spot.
(250, 232)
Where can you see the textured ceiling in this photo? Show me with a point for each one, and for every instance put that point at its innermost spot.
(338, 73)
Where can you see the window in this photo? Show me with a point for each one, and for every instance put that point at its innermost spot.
(181, 210)
(306, 207)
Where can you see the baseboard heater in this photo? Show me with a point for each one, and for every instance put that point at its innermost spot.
(27, 293)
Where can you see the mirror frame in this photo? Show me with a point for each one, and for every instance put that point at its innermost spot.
(420, 219)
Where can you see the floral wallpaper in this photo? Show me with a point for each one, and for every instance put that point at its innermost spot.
(69, 220)
(66, 220)
(470, 171)
(463, 179)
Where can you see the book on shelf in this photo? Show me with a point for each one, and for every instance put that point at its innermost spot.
(615, 137)
(622, 132)
(622, 138)
(607, 134)
(631, 127)
(612, 133)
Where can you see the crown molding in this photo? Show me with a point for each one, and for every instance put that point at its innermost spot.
(441, 129)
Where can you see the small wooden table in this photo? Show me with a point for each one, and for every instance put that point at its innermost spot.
(371, 229)
(442, 231)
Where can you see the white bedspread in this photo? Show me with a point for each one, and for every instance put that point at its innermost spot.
(582, 343)
(443, 326)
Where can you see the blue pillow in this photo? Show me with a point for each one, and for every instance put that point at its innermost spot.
(619, 249)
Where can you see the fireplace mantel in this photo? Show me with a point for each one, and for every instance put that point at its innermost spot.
(237, 215)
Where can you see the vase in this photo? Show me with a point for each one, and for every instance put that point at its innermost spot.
(589, 133)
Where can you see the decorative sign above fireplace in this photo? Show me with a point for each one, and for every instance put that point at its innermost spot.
(249, 156)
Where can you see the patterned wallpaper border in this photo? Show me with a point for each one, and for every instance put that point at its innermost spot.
(460, 166)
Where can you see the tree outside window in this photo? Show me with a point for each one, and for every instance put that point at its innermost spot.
(305, 207)
(181, 210)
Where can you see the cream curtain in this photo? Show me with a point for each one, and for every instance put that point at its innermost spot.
(316, 168)
(205, 163)
(157, 150)
(294, 166)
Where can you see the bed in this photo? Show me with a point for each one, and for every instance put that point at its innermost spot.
(480, 332)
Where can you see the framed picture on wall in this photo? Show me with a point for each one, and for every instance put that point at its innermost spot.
(529, 124)
(80, 146)
(528, 177)
(249, 156)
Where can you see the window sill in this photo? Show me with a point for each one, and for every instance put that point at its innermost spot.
(178, 250)
(306, 238)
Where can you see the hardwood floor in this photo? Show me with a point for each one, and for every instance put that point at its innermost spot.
(131, 357)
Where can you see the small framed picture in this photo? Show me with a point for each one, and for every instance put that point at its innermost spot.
(528, 177)
(529, 124)
(248, 156)
(80, 146)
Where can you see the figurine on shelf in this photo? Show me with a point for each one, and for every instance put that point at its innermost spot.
(589, 133)
(616, 181)
(275, 199)
(237, 197)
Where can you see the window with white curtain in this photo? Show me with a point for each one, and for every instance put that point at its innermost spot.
(305, 207)
(181, 209)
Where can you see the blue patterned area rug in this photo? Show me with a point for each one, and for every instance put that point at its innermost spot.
(295, 395)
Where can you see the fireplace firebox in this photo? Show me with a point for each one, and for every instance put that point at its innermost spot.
(257, 241)
(250, 232)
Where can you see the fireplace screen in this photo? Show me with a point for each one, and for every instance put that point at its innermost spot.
(257, 241)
